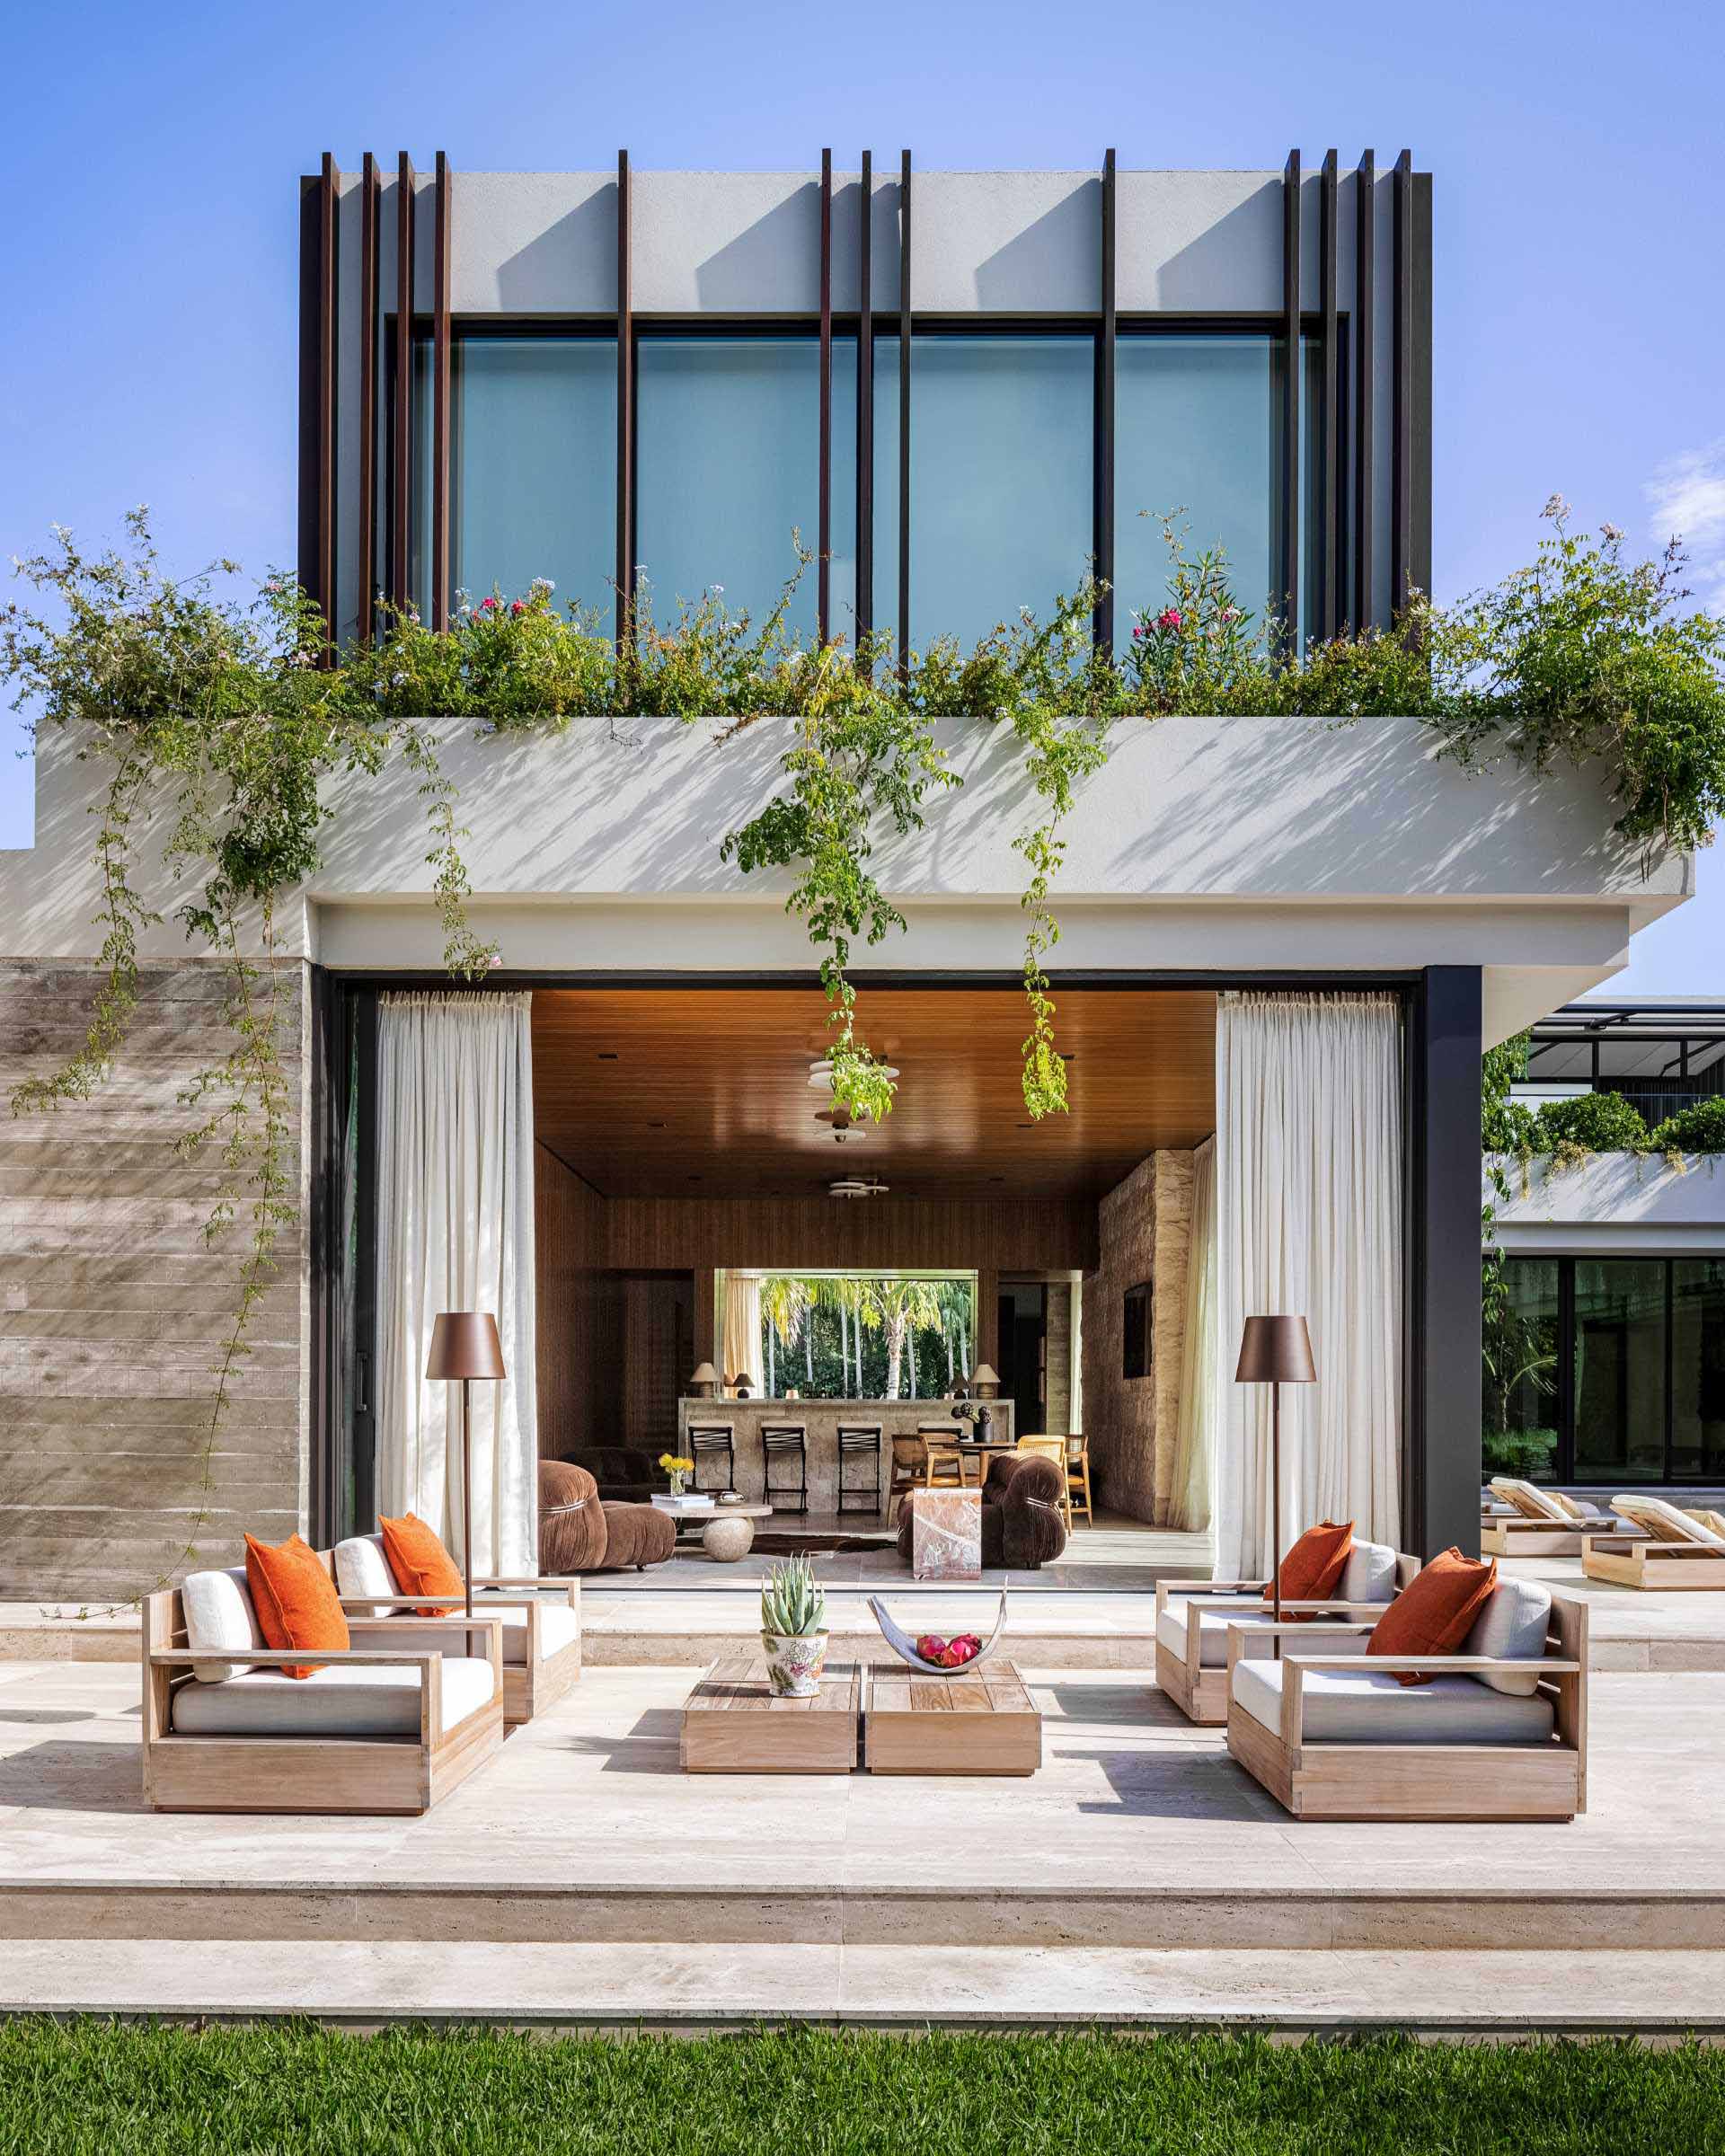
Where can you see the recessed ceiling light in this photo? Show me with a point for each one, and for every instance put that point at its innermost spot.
(655, 1127)
(607, 1055)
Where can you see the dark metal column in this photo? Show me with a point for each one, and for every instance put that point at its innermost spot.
(866, 404)
(1401, 402)
(319, 526)
(1441, 1328)
(440, 356)
(401, 476)
(1103, 483)
(365, 523)
(1291, 403)
(625, 577)
(824, 541)
(1330, 600)
(1364, 401)
(904, 413)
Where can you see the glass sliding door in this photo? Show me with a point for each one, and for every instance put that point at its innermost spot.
(1698, 1366)
(1620, 1369)
(1521, 1395)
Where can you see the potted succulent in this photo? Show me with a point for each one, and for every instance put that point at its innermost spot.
(793, 1628)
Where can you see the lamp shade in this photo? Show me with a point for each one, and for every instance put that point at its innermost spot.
(1275, 1351)
(464, 1343)
(703, 1373)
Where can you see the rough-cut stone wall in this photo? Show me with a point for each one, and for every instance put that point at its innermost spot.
(112, 1308)
(1059, 1350)
(1144, 1228)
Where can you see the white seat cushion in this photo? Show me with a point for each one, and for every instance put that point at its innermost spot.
(1512, 1627)
(219, 1615)
(1369, 1707)
(1369, 1573)
(340, 1699)
(1528, 1500)
(558, 1625)
(1213, 1630)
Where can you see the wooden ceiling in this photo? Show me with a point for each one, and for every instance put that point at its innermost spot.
(705, 1092)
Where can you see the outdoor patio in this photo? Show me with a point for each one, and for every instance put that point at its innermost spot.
(580, 1877)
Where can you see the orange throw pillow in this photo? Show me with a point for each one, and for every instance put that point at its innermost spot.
(419, 1560)
(1314, 1567)
(1435, 1612)
(294, 1599)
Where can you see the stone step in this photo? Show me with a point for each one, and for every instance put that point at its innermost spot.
(699, 1987)
(1246, 1918)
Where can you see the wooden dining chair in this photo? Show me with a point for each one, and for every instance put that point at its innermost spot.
(909, 1469)
(945, 1463)
(1078, 1478)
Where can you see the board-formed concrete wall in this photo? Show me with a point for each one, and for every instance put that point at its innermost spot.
(114, 1308)
(1144, 1228)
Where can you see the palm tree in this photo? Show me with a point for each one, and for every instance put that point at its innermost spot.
(858, 1304)
(957, 1303)
(785, 1304)
(903, 1304)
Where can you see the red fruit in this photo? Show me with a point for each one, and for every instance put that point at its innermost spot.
(931, 1647)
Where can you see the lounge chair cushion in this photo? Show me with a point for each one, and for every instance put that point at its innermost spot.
(219, 1615)
(1663, 1521)
(1530, 1500)
(340, 1700)
(558, 1625)
(1583, 1511)
(1512, 1627)
(1368, 1707)
(1369, 1573)
(1213, 1633)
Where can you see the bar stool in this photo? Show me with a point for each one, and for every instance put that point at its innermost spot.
(860, 1441)
(783, 1441)
(707, 1441)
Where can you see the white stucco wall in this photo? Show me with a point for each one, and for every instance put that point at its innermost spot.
(1237, 844)
(1624, 1203)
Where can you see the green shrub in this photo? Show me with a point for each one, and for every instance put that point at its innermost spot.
(1590, 1123)
(1525, 1454)
(1698, 1128)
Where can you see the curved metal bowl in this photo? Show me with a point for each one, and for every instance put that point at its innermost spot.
(905, 1649)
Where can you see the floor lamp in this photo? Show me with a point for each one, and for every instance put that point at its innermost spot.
(464, 1345)
(1276, 1352)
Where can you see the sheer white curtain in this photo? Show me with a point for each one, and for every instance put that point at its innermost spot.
(1201, 1355)
(454, 1231)
(742, 1341)
(1308, 1197)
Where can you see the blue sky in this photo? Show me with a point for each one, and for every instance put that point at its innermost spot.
(150, 158)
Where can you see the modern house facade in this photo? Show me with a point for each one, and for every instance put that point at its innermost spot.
(1613, 1264)
(608, 376)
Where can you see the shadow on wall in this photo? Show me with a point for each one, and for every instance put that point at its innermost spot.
(578, 253)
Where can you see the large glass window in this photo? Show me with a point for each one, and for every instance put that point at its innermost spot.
(727, 471)
(1619, 1368)
(1000, 455)
(1698, 1366)
(1521, 1371)
(533, 466)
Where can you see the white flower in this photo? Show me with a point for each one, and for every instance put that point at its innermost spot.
(1610, 531)
(1556, 507)
(398, 681)
(495, 961)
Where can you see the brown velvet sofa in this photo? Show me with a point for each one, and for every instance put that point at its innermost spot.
(580, 1533)
(624, 1475)
(1022, 1527)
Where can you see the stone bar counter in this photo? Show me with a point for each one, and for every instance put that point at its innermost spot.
(820, 1419)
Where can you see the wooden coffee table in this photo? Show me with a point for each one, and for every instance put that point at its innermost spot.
(734, 1723)
(984, 1724)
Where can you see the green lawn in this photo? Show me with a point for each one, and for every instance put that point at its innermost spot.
(133, 2092)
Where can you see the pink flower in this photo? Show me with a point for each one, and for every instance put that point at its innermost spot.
(517, 606)
(1230, 614)
(487, 602)
(1140, 630)
(1169, 620)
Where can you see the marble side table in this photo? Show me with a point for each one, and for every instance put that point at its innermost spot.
(946, 1533)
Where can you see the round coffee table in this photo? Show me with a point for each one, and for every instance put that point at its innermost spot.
(729, 1535)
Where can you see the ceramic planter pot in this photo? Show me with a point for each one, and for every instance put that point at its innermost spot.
(794, 1663)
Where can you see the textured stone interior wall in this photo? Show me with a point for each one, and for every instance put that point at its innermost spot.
(114, 1309)
(1144, 1228)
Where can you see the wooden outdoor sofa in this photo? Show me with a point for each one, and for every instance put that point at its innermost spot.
(541, 1620)
(1540, 1522)
(1193, 1617)
(1331, 1735)
(390, 1725)
(1674, 1549)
